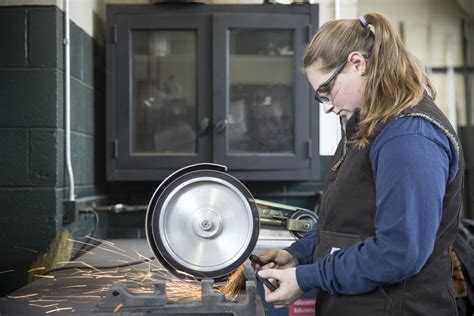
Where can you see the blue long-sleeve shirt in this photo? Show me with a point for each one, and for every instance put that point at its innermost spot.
(412, 161)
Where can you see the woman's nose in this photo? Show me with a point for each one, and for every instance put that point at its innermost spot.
(328, 107)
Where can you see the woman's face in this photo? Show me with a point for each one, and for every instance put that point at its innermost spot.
(346, 92)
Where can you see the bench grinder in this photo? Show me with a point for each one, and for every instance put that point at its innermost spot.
(202, 222)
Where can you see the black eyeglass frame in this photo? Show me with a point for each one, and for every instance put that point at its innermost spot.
(327, 83)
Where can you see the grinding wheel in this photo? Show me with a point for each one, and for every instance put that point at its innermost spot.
(202, 222)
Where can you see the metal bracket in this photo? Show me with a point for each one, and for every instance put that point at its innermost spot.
(299, 225)
(211, 303)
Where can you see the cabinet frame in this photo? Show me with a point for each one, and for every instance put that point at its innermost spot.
(222, 23)
(121, 165)
(150, 161)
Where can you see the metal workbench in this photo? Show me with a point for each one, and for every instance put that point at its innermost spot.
(81, 291)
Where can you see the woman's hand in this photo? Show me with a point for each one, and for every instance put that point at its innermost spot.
(288, 290)
(276, 259)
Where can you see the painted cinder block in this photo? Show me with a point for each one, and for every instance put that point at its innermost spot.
(13, 38)
(43, 154)
(14, 157)
(45, 43)
(29, 98)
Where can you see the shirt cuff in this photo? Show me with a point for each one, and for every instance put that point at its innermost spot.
(306, 277)
(293, 253)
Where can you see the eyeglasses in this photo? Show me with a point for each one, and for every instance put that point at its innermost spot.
(325, 87)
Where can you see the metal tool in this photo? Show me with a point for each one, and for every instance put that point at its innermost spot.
(202, 222)
(267, 282)
(295, 219)
(256, 260)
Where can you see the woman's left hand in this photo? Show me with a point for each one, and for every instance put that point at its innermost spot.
(288, 290)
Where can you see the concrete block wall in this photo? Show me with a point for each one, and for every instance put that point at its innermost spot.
(32, 167)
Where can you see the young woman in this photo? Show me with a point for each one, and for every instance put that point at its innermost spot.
(391, 202)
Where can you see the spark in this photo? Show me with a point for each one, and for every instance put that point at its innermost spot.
(68, 262)
(108, 243)
(182, 291)
(79, 302)
(138, 279)
(7, 271)
(36, 269)
(78, 271)
(44, 305)
(24, 248)
(83, 263)
(22, 296)
(104, 289)
(74, 296)
(141, 291)
(73, 286)
(118, 307)
(84, 251)
(43, 300)
(44, 276)
(187, 274)
(90, 266)
(108, 276)
(132, 281)
(109, 250)
(60, 309)
(102, 272)
(117, 260)
(142, 257)
(77, 277)
(231, 288)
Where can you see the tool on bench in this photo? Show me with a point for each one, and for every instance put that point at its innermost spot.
(256, 260)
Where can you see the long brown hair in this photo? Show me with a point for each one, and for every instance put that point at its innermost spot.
(396, 80)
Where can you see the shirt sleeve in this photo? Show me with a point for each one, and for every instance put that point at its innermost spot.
(411, 171)
(303, 248)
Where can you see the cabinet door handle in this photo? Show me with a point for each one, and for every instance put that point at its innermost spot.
(204, 126)
(220, 126)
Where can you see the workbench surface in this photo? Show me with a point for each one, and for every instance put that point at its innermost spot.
(80, 289)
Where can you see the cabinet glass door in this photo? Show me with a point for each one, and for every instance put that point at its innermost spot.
(168, 106)
(256, 112)
(261, 112)
(164, 103)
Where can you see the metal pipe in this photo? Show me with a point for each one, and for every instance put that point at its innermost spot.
(272, 222)
(451, 84)
(466, 48)
(67, 99)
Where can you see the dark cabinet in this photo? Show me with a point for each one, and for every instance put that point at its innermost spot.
(210, 83)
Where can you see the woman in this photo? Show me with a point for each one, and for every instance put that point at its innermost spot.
(390, 208)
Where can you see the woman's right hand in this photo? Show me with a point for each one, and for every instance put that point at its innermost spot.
(275, 259)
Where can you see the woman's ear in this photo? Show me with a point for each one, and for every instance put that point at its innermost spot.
(358, 62)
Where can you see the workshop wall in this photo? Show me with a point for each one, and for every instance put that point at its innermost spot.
(32, 176)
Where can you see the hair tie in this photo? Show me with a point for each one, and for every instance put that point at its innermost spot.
(371, 28)
(363, 21)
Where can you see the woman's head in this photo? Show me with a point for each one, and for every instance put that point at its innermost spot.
(380, 76)
(341, 90)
